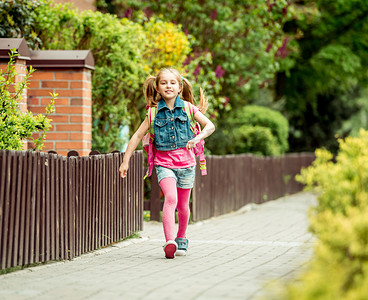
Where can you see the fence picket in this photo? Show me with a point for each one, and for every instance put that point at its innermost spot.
(18, 260)
(63, 195)
(11, 206)
(3, 162)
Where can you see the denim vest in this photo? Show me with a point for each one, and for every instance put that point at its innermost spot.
(172, 127)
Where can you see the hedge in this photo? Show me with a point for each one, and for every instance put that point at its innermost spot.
(339, 269)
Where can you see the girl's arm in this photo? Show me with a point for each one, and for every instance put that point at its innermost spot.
(132, 145)
(208, 129)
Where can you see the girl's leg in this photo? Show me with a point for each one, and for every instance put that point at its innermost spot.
(183, 211)
(168, 187)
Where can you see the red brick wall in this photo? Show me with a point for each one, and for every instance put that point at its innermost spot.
(20, 68)
(72, 120)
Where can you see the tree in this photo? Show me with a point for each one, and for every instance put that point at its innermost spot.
(241, 40)
(323, 75)
(17, 19)
(125, 54)
(233, 57)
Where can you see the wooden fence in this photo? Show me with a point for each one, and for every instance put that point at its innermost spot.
(236, 180)
(54, 207)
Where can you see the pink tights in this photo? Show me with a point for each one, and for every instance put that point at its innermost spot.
(175, 198)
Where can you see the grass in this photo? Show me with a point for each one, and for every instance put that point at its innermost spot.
(135, 235)
(146, 215)
(18, 268)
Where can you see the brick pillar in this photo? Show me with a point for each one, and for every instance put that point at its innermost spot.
(20, 65)
(67, 73)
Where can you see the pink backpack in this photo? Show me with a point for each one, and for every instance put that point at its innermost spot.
(149, 145)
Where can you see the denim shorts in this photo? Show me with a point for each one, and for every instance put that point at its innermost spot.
(184, 177)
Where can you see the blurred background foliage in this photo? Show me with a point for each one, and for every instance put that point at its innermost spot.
(242, 40)
(304, 59)
(322, 81)
(253, 129)
(123, 55)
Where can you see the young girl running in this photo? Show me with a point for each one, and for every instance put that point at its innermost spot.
(174, 157)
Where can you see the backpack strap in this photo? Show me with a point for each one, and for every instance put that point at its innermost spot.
(152, 111)
(148, 139)
(189, 111)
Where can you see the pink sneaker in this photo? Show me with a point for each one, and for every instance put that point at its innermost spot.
(170, 248)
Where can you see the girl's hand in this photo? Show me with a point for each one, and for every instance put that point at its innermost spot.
(207, 130)
(191, 144)
(123, 169)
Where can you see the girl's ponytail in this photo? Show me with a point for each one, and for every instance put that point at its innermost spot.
(150, 92)
(203, 102)
(187, 94)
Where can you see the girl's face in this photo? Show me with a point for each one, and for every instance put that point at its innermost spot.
(168, 86)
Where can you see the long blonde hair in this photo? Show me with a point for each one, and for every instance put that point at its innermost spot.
(153, 97)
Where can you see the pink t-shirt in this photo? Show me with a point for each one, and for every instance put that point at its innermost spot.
(175, 159)
(178, 158)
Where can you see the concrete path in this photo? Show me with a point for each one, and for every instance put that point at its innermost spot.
(230, 257)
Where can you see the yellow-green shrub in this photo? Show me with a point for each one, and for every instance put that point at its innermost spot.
(339, 269)
(167, 45)
(344, 183)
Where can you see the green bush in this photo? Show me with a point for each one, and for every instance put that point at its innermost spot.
(255, 139)
(253, 129)
(339, 269)
(265, 117)
(15, 126)
(117, 47)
